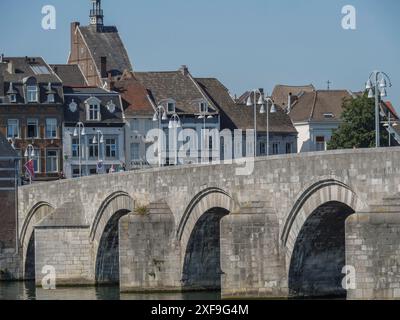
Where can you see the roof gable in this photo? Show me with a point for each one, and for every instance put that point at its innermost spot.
(106, 42)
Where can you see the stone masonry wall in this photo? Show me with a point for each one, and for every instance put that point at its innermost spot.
(250, 257)
(373, 249)
(149, 254)
(68, 250)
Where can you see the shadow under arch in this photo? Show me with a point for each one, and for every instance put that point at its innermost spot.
(199, 235)
(104, 234)
(36, 214)
(314, 239)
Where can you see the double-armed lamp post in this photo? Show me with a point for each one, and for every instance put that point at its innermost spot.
(263, 102)
(376, 86)
(99, 139)
(175, 123)
(160, 115)
(78, 132)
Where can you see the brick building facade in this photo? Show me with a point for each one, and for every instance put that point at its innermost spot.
(31, 117)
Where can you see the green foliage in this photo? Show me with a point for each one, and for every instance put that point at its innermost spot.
(358, 127)
(142, 210)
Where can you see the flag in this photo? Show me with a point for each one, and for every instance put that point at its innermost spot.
(112, 170)
(29, 167)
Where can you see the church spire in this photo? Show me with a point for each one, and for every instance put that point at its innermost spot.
(96, 14)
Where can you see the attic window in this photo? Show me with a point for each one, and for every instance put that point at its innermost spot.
(50, 98)
(329, 115)
(171, 107)
(32, 93)
(13, 98)
(203, 107)
(40, 70)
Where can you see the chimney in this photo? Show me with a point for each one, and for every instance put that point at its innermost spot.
(2, 58)
(10, 67)
(103, 67)
(289, 104)
(185, 70)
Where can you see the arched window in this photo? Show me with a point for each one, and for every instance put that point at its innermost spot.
(93, 109)
(32, 90)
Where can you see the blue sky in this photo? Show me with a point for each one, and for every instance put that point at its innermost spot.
(244, 43)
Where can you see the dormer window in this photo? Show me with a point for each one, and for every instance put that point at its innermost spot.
(94, 112)
(32, 93)
(50, 94)
(329, 115)
(93, 109)
(50, 98)
(12, 94)
(171, 107)
(203, 107)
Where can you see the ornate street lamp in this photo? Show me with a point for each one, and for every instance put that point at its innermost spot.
(376, 86)
(252, 101)
(78, 132)
(268, 111)
(160, 115)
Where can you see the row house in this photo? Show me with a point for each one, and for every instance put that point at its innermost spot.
(314, 113)
(31, 104)
(159, 99)
(236, 115)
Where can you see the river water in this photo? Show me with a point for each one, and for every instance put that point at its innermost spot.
(28, 291)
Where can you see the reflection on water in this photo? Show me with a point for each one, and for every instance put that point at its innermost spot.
(28, 291)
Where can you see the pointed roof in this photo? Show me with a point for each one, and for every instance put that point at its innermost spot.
(175, 85)
(320, 105)
(135, 97)
(239, 116)
(106, 42)
(281, 93)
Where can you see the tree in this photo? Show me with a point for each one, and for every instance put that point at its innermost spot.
(358, 127)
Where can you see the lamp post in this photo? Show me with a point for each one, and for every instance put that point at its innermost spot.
(99, 139)
(253, 101)
(30, 154)
(376, 86)
(268, 111)
(160, 115)
(78, 132)
(175, 123)
(204, 114)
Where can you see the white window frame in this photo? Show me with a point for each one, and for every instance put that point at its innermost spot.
(57, 158)
(318, 144)
(13, 98)
(32, 90)
(17, 128)
(55, 127)
(111, 148)
(171, 104)
(93, 104)
(37, 157)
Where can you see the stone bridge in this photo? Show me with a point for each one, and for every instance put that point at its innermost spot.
(288, 229)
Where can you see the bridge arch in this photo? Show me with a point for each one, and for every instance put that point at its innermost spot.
(199, 236)
(104, 235)
(36, 214)
(314, 238)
